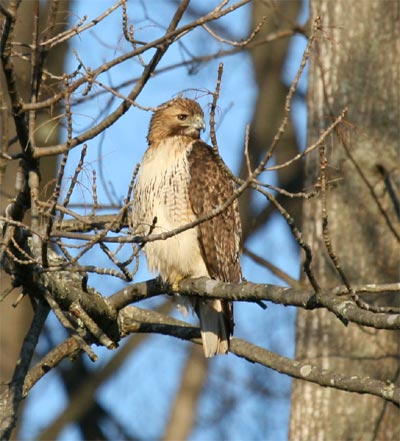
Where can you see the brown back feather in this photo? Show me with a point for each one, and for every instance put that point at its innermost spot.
(210, 186)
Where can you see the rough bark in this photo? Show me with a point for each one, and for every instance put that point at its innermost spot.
(11, 335)
(356, 64)
(15, 322)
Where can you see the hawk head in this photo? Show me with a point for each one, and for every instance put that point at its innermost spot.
(178, 117)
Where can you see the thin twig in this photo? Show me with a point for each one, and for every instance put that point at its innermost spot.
(297, 234)
(79, 28)
(68, 325)
(173, 33)
(73, 182)
(213, 135)
(371, 190)
(14, 393)
(246, 149)
(271, 267)
(312, 147)
(239, 44)
(92, 326)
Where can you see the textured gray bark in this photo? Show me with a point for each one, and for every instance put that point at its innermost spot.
(356, 64)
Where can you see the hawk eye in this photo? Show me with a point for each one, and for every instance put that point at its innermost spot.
(182, 117)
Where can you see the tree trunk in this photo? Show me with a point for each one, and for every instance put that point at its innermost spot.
(356, 64)
(182, 417)
(15, 322)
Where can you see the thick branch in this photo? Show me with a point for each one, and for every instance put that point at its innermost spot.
(315, 374)
(341, 306)
(135, 320)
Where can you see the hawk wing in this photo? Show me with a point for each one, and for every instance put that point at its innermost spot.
(219, 238)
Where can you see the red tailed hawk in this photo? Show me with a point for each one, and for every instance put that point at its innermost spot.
(180, 180)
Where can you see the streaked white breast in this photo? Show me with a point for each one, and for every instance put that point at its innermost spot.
(162, 191)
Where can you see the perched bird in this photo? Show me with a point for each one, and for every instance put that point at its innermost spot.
(181, 179)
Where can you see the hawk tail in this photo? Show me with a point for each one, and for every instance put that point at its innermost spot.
(215, 325)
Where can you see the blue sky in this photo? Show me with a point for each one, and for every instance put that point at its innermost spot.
(152, 370)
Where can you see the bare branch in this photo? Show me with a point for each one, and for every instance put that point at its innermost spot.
(240, 44)
(135, 320)
(342, 307)
(79, 28)
(12, 396)
(214, 106)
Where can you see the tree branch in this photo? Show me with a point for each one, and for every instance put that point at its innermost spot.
(12, 396)
(332, 299)
(132, 320)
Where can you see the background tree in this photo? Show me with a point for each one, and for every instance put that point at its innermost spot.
(77, 242)
(355, 64)
(14, 322)
(270, 68)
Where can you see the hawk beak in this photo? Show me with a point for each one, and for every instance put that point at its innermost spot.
(198, 123)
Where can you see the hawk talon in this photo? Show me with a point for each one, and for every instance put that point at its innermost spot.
(175, 287)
